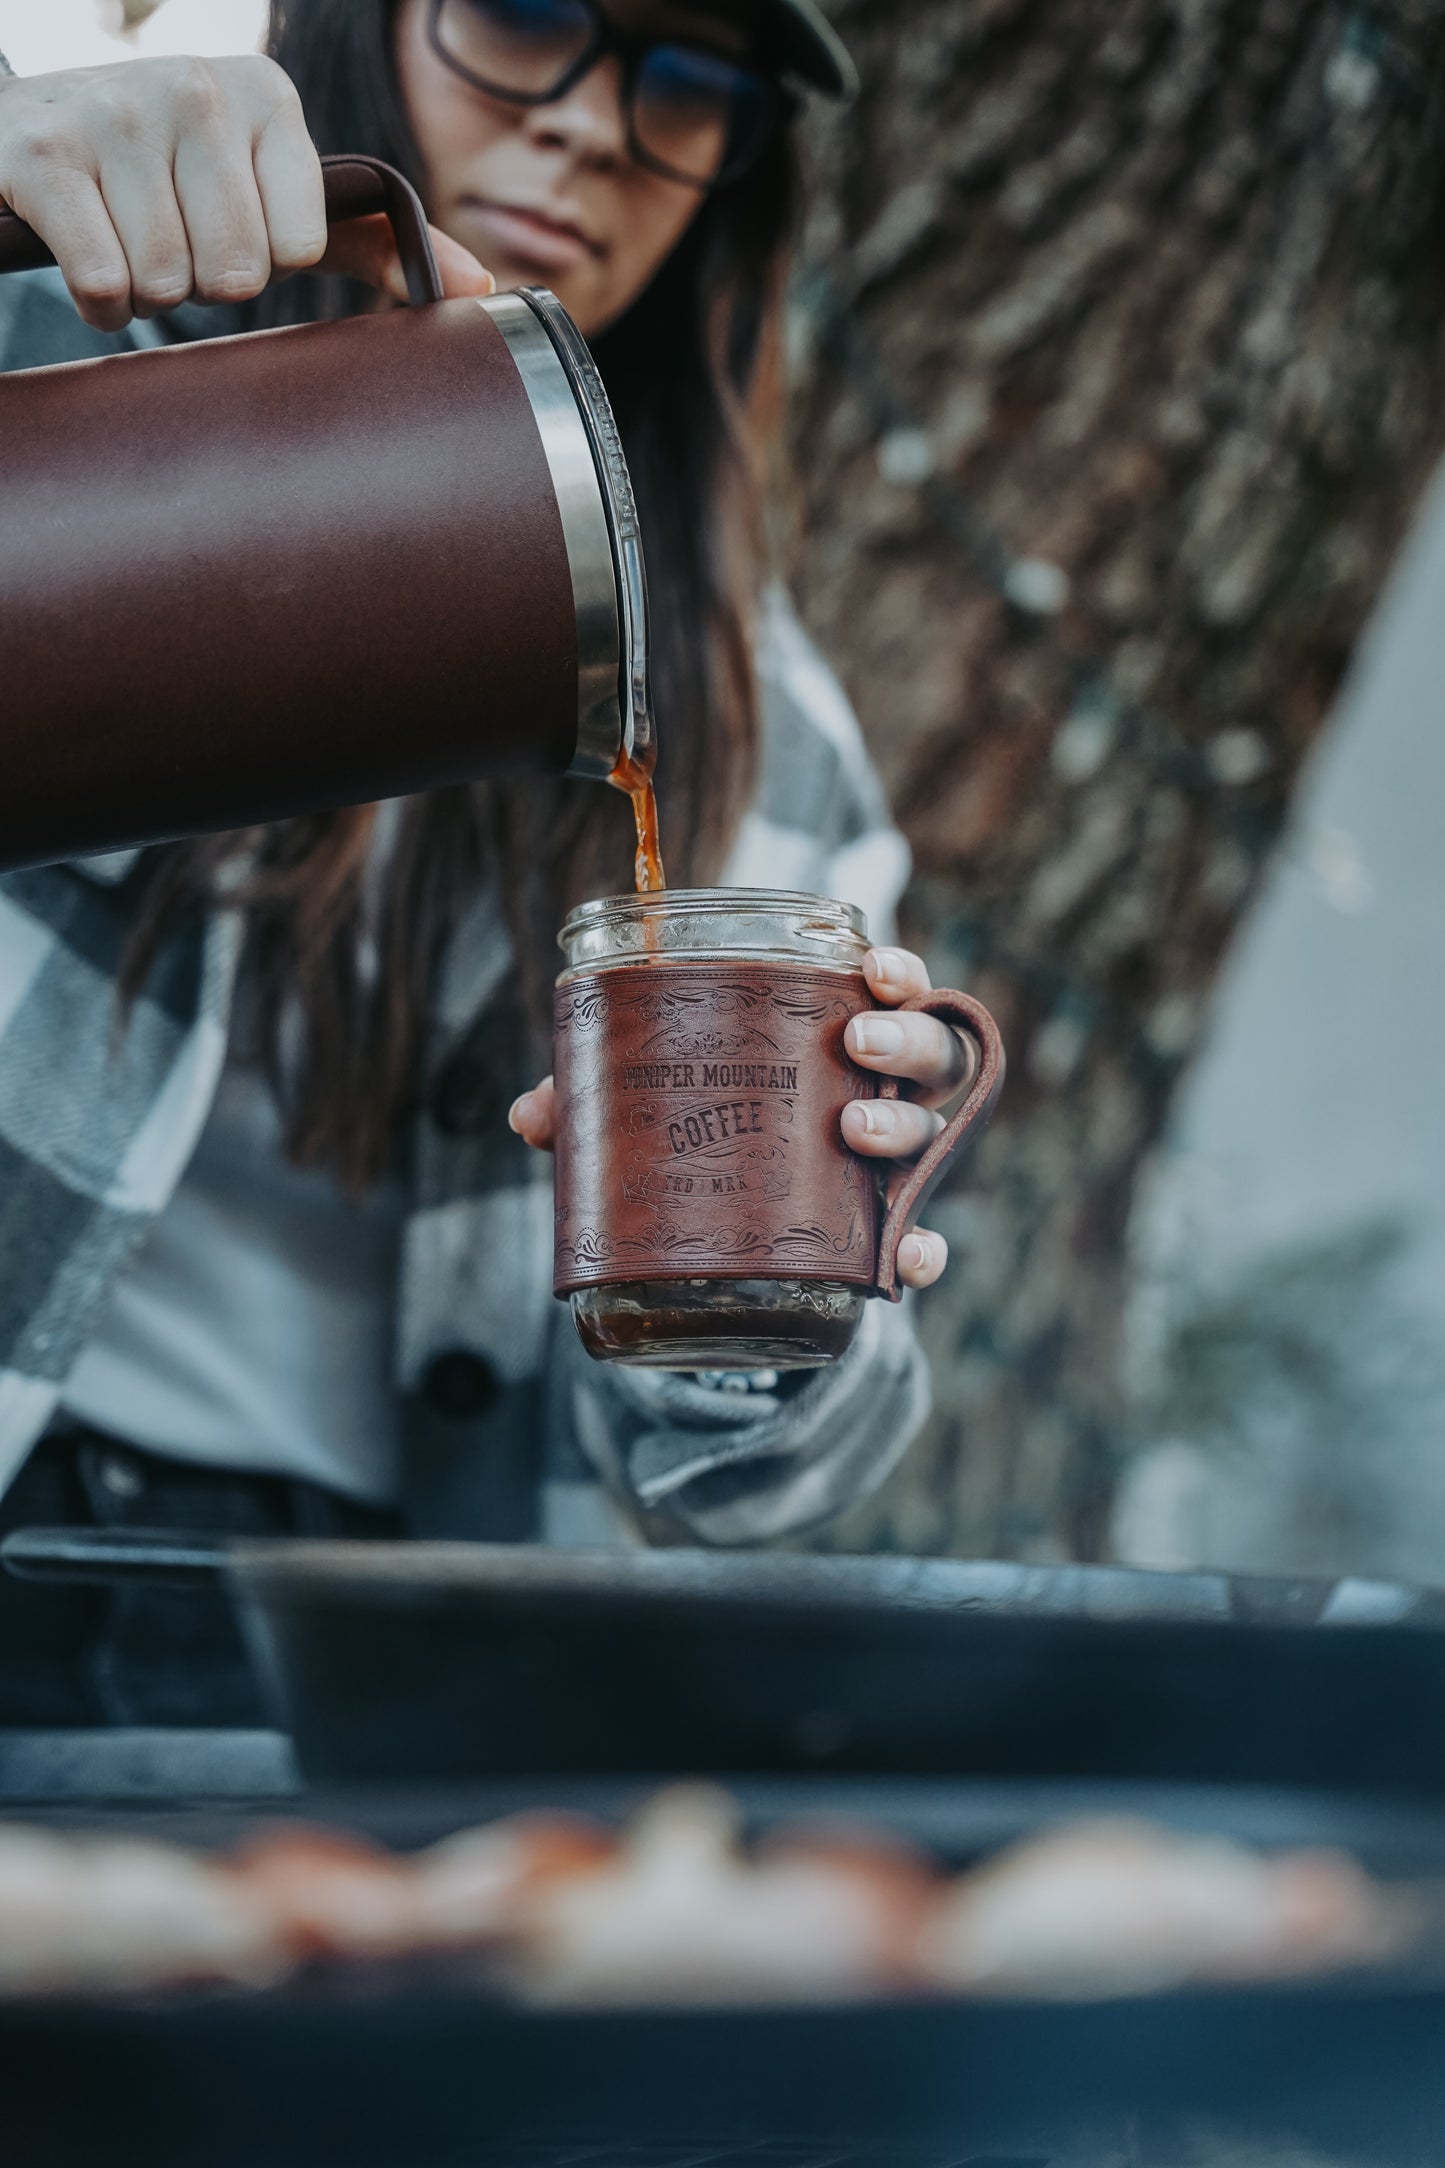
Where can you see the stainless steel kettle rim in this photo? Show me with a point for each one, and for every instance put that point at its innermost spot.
(599, 523)
(623, 527)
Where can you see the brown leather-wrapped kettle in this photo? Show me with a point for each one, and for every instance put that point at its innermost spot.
(251, 577)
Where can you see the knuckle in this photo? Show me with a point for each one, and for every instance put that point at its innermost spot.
(101, 287)
(163, 290)
(296, 258)
(270, 82)
(126, 114)
(44, 140)
(298, 251)
(239, 280)
(111, 316)
(196, 87)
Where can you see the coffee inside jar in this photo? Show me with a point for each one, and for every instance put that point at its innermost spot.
(718, 1324)
(709, 1215)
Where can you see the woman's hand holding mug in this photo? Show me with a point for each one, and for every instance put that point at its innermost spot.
(937, 1061)
(155, 182)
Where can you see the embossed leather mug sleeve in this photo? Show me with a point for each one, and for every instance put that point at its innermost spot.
(698, 1137)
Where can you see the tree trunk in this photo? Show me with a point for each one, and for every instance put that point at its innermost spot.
(1118, 371)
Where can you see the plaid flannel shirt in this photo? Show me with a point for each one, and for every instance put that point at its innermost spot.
(510, 1431)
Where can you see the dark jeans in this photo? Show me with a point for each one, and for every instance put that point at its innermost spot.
(142, 1655)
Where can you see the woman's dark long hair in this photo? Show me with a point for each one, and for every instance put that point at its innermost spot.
(680, 369)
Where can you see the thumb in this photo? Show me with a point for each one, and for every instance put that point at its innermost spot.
(365, 249)
(534, 1116)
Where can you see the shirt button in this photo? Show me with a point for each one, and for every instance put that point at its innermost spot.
(460, 1386)
(120, 1476)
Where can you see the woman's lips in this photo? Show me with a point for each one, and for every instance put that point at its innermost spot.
(532, 237)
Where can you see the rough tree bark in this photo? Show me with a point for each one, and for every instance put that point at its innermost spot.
(1116, 382)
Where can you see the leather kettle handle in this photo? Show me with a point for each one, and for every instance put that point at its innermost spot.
(969, 1122)
(356, 187)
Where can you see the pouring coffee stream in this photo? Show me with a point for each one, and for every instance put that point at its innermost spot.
(633, 774)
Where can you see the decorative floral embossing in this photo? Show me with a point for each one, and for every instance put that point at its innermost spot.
(676, 1245)
(815, 1009)
(582, 1008)
(591, 1247)
(673, 1012)
(825, 1238)
(699, 1043)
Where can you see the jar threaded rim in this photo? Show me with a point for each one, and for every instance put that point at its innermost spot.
(826, 912)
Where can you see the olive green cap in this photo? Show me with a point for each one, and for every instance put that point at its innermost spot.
(811, 49)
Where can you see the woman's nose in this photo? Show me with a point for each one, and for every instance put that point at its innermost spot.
(589, 120)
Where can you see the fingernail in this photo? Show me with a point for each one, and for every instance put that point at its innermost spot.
(877, 1035)
(879, 1118)
(889, 963)
(912, 1256)
(515, 1110)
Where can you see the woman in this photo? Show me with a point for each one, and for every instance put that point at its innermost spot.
(279, 1260)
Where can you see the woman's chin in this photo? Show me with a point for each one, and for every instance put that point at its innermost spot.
(580, 304)
(582, 288)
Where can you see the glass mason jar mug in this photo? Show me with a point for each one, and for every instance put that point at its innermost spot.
(708, 1213)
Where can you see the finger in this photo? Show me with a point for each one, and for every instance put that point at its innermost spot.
(365, 248)
(73, 222)
(463, 277)
(922, 1258)
(221, 205)
(889, 1128)
(534, 1116)
(140, 196)
(895, 974)
(290, 184)
(293, 195)
(921, 1048)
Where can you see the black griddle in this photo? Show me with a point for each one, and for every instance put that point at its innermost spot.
(449, 1662)
(436, 2078)
(428, 1687)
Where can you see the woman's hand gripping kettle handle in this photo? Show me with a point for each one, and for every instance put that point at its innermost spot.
(356, 187)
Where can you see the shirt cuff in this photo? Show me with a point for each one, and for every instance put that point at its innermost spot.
(744, 1467)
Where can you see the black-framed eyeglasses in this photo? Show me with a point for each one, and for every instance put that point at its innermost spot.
(692, 115)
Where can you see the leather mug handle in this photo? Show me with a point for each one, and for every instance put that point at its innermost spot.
(356, 187)
(970, 1120)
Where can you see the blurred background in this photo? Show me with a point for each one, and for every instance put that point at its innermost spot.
(1116, 392)
(37, 35)
(1118, 374)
